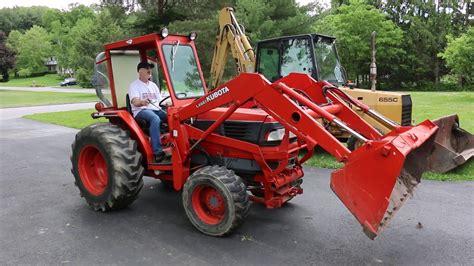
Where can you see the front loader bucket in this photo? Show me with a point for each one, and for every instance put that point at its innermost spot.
(379, 176)
(453, 145)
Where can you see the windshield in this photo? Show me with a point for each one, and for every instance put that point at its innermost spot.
(183, 71)
(296, 57)
(328, 63)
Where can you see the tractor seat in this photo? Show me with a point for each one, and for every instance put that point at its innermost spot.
(144, 125)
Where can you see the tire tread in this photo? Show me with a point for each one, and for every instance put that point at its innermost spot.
(126, 168)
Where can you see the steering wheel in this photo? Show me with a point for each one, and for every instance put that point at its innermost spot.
(164, 107)
(161, 105)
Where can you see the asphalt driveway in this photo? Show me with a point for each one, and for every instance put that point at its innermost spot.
(43, 220)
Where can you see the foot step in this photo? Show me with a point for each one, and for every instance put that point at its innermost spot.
(165, 161)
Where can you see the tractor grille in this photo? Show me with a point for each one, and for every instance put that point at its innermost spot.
(238, 130)
(242, 130)
(249, 131)
(406, 110)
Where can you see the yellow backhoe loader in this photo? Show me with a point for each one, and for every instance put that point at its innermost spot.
(316, 55)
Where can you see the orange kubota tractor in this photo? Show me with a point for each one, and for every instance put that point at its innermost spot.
(232, 140)
(316, 55)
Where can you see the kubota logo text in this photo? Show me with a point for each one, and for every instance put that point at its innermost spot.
(213, 96)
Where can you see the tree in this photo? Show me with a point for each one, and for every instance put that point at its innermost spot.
(60, 41)
(7, 58)
(52, 16)
(77, 12)
(261, 19)
(34, 48)
(13, 41)
(459, 55)
(352, 25)
(149, 16)
(268, 19)
(59, 25)
(426, 25)
(21, 18)
(87, 39)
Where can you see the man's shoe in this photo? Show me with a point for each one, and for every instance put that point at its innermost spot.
(159, 156)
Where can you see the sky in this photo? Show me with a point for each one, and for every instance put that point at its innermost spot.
(60, 4)
(63, 4)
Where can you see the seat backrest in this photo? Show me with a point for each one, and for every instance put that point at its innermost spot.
(129, 105)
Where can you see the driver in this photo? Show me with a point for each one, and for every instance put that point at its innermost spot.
(145, 96)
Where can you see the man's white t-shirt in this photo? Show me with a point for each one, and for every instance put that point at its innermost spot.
(141, 90)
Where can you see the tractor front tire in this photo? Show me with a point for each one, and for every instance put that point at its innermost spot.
(215, 200)
(106, 166)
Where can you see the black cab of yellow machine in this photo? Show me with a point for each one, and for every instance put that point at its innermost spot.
(312, 54)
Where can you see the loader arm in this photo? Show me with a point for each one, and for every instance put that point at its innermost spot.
(270, 98)
(230, 38)
(377, 178)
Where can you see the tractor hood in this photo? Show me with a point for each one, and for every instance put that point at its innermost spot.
(241, 114)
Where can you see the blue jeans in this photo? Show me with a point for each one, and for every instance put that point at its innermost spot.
(154, 118)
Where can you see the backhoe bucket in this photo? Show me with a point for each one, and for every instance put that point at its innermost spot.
(453, 145)
(379, 176)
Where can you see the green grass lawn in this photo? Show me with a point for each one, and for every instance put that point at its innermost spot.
(426, 105)
(49, 80)
(75, 119)
(432, 105)
(31, 98)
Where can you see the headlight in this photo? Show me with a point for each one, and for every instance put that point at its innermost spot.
(277, 135)
(164, 33)
(192, 36)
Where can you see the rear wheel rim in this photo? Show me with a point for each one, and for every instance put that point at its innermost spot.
(93, 170)
(208, 204)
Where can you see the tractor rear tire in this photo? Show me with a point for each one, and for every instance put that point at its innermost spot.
(215, 200)
(106, 166)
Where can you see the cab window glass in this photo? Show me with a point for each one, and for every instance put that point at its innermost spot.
(182, 68)
(157, 71)
(269, 59)
(100, 80)
(328, 63)
(296, 57)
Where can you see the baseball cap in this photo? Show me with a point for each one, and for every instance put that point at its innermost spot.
(144, 65)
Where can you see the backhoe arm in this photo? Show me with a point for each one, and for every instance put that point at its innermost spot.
(230, 37)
